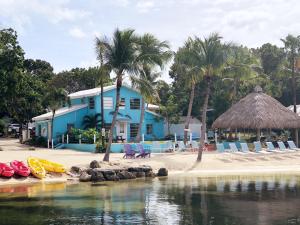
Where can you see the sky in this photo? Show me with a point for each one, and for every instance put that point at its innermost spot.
(63, 32)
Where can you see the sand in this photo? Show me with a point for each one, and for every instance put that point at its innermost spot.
(213, 164)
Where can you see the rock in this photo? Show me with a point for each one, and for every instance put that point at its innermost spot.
(124, 175)
(146, 169)
(150, 174)
(31, 148)
(110, 175)
(97, 175)
(162, 172)
(84, 177)
(139, 174)
(95, 164)
(76, 170)
(135, 169)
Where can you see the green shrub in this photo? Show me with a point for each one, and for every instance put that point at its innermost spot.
(38, 141)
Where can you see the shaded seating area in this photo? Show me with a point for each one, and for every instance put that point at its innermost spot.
(256, 112)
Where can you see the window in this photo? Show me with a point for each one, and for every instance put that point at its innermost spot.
(122, 128)
(82, 100)
(135, 103)
(134, 129)
(122, 103)
(91, 103)
(149, 128)
(108, 102)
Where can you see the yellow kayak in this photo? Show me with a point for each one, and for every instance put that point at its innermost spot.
(36, 168)
(52, 166)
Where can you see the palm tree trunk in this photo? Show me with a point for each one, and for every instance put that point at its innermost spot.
(294, 97)
(203, 127)
(138, 136)
(52, 123)
(188, 117)
(102, 114)
(114, 120)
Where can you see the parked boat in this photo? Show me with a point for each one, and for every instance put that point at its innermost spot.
(36, 168)
(52, 166)
(6, 170)
(20, 168)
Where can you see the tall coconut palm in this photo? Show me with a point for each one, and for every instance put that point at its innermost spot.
(292, 48)
(146, 84)
(211, 52)
(104, 77)
(55, 98)
(188, 64)
(125, 54)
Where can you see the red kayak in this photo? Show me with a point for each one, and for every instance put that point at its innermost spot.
(6, 170)
(20, 168)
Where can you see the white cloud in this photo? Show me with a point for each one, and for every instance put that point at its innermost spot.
(77, 33)
(145, 6)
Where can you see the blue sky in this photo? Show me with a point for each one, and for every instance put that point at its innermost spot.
(62, 32)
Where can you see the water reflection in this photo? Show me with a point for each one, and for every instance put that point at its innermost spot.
(175, 200)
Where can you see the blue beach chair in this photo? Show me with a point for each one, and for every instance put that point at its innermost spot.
(283, 148)
(293, 146)
(258, 148)
(271, 147)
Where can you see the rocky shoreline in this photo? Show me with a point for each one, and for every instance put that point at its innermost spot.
(94, 173)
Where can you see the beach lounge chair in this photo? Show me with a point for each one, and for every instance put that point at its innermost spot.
(129, 152)
(143, 152)
(271, 147)
(293, 146)
(220, 148)
(244, 148)
(258, 148)
(234, 149)
(283, 148)
(181, 146)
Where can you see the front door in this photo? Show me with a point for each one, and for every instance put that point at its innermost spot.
(122, 130)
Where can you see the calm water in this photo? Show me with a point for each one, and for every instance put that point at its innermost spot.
(173, 200)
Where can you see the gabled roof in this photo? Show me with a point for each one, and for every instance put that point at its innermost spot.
(59, 112)
(96, 91)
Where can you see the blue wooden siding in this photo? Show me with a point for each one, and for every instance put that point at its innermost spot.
(131, 115)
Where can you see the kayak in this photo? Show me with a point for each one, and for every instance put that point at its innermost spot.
(36, 168)
(6, 170)
(52, 166)
(20, 168)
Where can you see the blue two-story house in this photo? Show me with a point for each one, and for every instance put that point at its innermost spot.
(88, 102)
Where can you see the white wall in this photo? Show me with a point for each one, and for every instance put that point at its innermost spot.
(179, 129)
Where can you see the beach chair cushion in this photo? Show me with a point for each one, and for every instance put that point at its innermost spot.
(281, 145)
(270, 146)
(257, 146)
(233, 147)
(220, 147)
(244, 147)
(292, 145)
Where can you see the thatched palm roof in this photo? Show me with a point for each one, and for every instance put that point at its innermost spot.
(257, 111)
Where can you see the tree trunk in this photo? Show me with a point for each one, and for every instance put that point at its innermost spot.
(139, 133)
(294, 97)
(52, 122)
(188, 117)
(114, 120)
(258, 134)
(102, 115)
(203, 127)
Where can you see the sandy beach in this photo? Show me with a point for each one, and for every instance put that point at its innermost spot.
(213, 164)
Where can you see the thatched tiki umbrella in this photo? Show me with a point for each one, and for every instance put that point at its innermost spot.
(258, 111)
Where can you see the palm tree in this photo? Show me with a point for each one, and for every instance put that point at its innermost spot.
(146, 84)
(56, 98)
(104, 77)
(211, 52)
(125, 54)
(92, 121)
(187, 64)
(292, 48)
